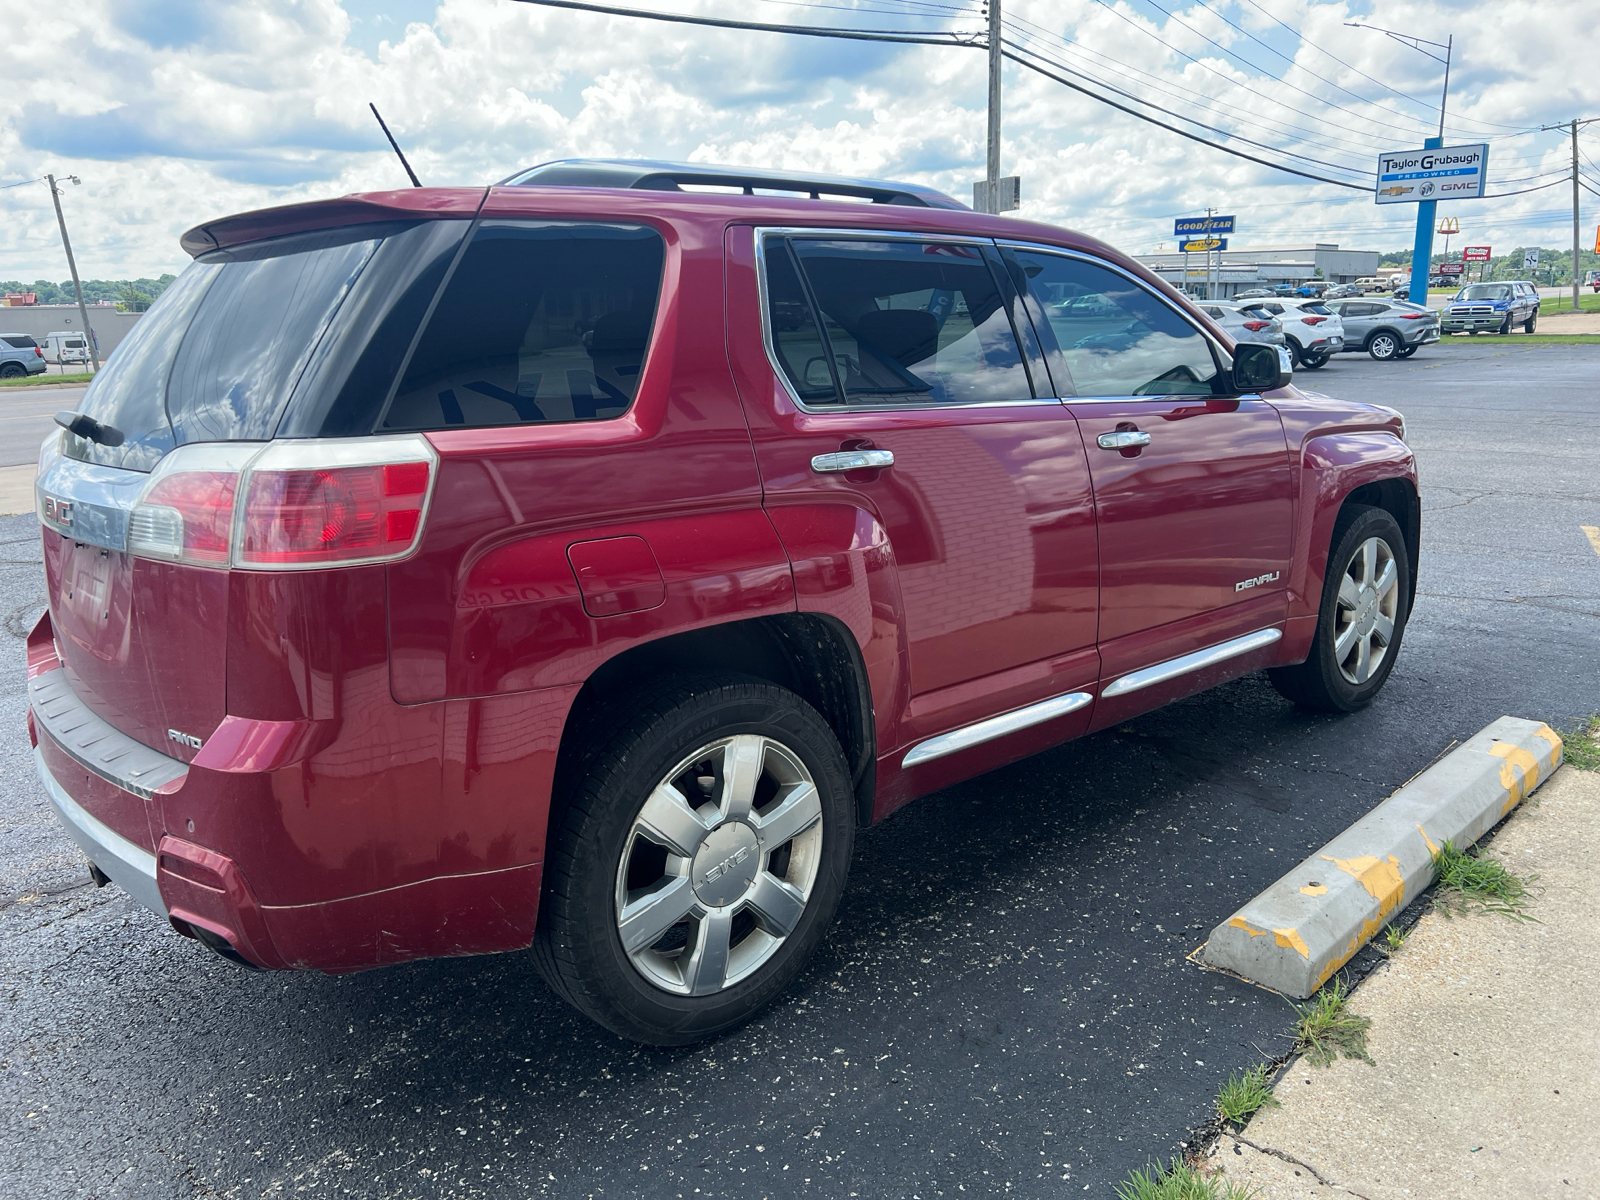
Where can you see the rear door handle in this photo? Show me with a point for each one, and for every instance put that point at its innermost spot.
(1122, 439)
(854, 460)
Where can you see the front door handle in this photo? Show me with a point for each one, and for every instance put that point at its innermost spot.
(1122, 439)
(853, 460)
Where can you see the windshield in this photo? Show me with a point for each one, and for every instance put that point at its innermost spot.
(1485, 291)
(218, 353)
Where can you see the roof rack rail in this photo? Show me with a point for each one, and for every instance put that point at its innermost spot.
(652, 175)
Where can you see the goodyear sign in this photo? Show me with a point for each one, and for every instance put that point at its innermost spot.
(1448, 173)
(1185, 228)
(1203, 245)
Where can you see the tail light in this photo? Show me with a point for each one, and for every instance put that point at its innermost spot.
(291, 505)
(1257, 326)
(1415, 316)
(1313, 320)
(38, 352)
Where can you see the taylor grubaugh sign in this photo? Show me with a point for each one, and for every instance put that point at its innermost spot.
(1449, 173)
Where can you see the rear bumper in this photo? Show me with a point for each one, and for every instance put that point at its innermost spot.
(130, 867)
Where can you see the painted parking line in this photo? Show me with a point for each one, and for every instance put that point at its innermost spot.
(1592, 532)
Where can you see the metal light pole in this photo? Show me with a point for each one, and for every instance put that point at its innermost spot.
(66, 242)
(1422, 246)
(996, 61)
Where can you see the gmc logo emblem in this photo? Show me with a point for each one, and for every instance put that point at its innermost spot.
(59, 511)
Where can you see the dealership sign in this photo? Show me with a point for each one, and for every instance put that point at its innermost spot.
(1449, 173)
(1476, 254)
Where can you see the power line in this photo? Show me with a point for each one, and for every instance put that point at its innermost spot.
(971, 42)
(1387, 87)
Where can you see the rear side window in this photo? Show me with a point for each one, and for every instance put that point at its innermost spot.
(21, 342)
(541, 321)
(891, 322)
(1112, 337)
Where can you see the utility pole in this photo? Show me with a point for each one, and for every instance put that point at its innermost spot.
(996, 61)
(1577, 246)
(88, 333)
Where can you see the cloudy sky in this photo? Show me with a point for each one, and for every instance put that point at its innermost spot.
(173, 111)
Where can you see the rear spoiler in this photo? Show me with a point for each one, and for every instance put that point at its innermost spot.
(368, 208)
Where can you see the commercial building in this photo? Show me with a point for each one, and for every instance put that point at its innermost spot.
(36, 320)
(1265, 266)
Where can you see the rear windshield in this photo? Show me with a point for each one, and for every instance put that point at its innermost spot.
(217, 355)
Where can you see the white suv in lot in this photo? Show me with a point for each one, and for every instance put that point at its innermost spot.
(1313, 331)
(1244, 324)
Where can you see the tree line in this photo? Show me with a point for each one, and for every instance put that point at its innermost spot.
(129, 295)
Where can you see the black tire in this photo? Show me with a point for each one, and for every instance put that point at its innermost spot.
(578, 946)
(1318, 683)
(1297, 356)
(1407, 352)
(1531, 323)
(12, 370)
(1505, 326)
(1314, 362)
(1383, 346)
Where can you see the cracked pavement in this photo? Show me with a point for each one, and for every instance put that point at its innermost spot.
(1003, 1006)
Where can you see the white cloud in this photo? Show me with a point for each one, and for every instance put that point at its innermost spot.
(180, 110)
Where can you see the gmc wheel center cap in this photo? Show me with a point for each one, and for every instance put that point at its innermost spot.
(725, 865)
(1367, 613)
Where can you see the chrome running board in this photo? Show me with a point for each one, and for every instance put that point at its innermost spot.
(993, 727)
(1173, 667)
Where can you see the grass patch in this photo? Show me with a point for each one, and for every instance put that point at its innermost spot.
(1242, 1096)
(1394, 937)
(1587, 302)
(1521, 339)
(1325, 1029)
(36, 380)
(1179, 1181)
(1468, 883)
(1580, 746)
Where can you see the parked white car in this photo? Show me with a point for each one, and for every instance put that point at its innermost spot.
(1244, 326)
(1313, 331)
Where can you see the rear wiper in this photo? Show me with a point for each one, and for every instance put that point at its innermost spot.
(86, 426)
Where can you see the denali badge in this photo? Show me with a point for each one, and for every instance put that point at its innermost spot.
(185, 739)
(1244, 585)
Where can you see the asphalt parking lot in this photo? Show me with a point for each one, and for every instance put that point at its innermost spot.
(1003, 1008)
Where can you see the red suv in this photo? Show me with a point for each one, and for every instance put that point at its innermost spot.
(577, 562)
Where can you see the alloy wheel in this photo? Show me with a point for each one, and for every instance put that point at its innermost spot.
(1368, 606)
(719, 865)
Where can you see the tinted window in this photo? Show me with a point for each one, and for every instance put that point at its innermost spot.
(250, 339)
(541, 321)
(22, 342)
(796, 337)
(904, 322)
(130, 390)
(1114, 338)
(215, 357)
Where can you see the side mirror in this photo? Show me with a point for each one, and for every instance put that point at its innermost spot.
(1260, 368)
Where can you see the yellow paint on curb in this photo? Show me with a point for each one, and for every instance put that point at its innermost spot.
(1289, 939)
(1314, 889)
(1432, 849)
(1593, 534)
(1523, 760)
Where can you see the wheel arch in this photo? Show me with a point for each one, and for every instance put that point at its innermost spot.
(1398, 497)
(811, 654)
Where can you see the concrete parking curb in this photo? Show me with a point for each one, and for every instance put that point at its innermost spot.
(1303, 928)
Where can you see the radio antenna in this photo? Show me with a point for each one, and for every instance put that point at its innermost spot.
(415, 182)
